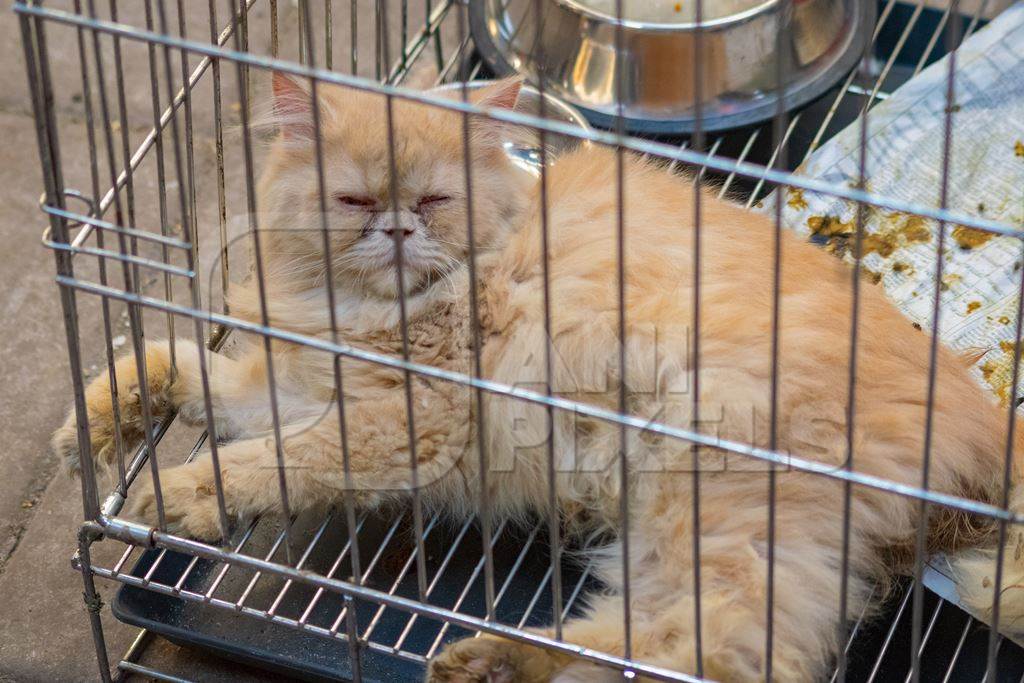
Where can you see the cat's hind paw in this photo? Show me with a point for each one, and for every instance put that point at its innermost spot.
(492, 659)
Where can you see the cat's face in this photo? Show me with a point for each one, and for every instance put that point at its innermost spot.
(422, 213)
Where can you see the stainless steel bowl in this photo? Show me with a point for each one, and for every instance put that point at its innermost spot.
(573, 46)
(523, 144)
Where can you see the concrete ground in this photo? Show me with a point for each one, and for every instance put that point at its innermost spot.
(44, 629)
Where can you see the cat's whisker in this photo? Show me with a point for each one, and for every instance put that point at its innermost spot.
(448, 242)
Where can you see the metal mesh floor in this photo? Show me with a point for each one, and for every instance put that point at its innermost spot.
(301, 632)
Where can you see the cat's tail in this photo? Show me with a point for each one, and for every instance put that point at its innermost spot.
(976, 576)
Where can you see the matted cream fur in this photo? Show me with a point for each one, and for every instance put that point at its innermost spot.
(735, 372)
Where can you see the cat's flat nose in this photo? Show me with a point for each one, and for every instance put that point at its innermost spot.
(397, 224)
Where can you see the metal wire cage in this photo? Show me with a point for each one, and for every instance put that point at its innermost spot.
(162, 139)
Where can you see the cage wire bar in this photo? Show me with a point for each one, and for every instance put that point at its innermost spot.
(443, 46)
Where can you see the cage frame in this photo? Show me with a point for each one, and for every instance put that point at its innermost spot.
(100, 515)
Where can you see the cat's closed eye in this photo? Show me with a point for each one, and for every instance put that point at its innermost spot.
(356, 202)
(431, 201)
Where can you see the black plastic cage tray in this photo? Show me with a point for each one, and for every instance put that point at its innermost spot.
(398, 641)
(955, 646)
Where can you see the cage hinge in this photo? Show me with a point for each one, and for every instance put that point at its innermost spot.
(90, 532)
(93, 604)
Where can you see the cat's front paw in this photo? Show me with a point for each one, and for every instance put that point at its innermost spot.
(104, 420)
(64, 443)
(189, 500)
(492, 659)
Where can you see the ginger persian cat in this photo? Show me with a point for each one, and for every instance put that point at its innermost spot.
(735, 372)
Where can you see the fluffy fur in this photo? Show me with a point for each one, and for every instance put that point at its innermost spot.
(735, 375)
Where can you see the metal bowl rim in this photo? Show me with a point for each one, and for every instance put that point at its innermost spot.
(813, 87)
(580, 7)
(578, 118)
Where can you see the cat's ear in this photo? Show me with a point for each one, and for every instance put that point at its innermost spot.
(293, 107)
(501, 95)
